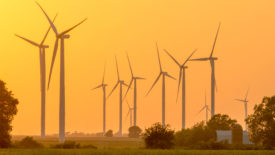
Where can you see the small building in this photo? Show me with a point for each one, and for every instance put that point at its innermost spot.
(224, 135)
(246, 138)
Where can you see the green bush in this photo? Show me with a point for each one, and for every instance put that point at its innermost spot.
(134, 132)
(67, 145)
(109, 133)
(28, 143)
(159, 137)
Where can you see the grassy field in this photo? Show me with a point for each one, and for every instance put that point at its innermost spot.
(116, 146)
(129, 152)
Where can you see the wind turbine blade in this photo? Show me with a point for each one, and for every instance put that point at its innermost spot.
(124, 84)
(215, 40)
(205, 99)
(130, 84)
(53, 59)
(141, 78)
(240, 100)
(128, 105)
(97, 87)
(189, 57)
(40, 60)
(42, 42)
(117, 69)
(170, 76)
(67, 31)
(201, 109)
(52, 25)
(172, 57)
(199, 59)
(246, 94)
(154, 84)
(104, 73)
(130, 65)
(179, 84)
(158, 57)
(127, 114)
(29, 41)
(113, 89)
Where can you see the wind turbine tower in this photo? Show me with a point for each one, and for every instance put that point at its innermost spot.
(60, 36)
(42, 59)
(133, 79)
(121, 83)
(213, 78)
(182, 68)
(163, 75)
(245, 101)
(103, 85)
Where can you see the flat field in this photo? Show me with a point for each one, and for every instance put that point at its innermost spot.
(128, 152)
(117, 146)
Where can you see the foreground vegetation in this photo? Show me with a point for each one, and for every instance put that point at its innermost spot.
(132, 152)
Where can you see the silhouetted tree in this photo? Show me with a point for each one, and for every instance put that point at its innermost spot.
(261, 124)
(237, 134)
(194, 136)
(109, 133)
(221, 122)
(159, 137)
(7, 111)
(134, 132)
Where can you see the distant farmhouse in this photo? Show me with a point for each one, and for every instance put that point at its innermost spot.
(226, 135)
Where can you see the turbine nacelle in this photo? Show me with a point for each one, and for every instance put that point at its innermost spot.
(66, 36)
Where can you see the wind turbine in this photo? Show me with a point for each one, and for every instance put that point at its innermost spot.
(133, 79)
(42, 59)
(120, 83)
(206, 110)
(163, 75)
(245, 101)
(103, 85)
(130, 111)
(213, 79)
(182, 68)
(60, 36)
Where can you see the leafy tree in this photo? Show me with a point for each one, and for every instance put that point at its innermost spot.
(194, 136)
(261, 124)
(203, 135)
(134, 132)
(221, 122)
(109, 133)
(159, 137)
(7, 111)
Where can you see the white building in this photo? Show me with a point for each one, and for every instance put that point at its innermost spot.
(223, 135)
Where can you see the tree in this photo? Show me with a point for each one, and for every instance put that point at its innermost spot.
(109, 133)
(221, 122)
(194, 136)
(7, 111)
(159, 137)
(134, 132)
(28, 143)
(261, 124)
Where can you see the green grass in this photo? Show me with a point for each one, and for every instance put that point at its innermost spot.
(129, 152)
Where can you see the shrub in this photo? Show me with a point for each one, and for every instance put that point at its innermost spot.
(159, 137)
(109, 133)
(28, 142)
(67, 145)
(134, 132)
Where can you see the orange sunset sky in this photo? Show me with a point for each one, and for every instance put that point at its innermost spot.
(245, 48)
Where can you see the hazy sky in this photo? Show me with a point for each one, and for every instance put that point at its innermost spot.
(245, 49)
